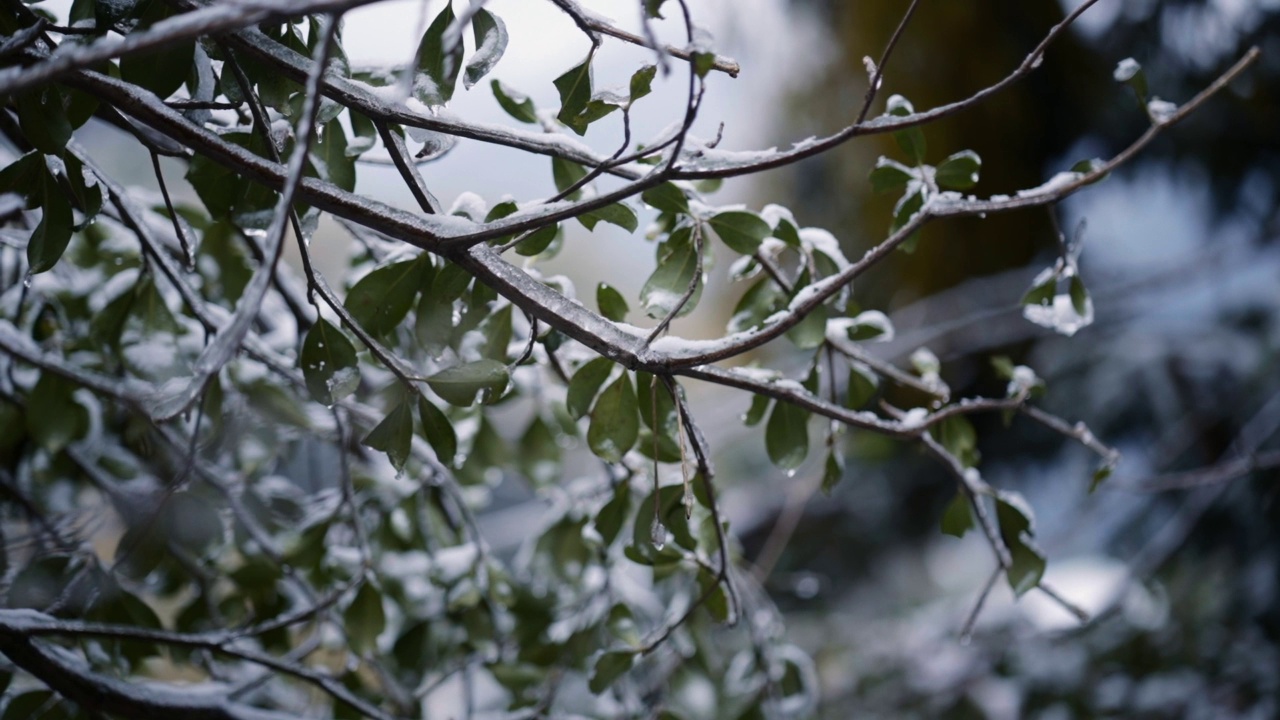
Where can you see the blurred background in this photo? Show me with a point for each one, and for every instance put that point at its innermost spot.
(1179, 370)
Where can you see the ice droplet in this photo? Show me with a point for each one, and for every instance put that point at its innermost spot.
(688, 500)
(658, 534)
(791, 473)
(26, 280)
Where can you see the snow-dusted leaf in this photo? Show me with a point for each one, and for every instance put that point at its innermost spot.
(436, 71)
(491, 43)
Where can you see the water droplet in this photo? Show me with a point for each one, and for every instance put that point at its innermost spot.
(26, 280)
(791, 473)
(658, 534)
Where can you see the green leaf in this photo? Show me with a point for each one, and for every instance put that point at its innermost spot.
(889, 175)
(862, 386)
(907, 207)
(653, 8)
(330, 154)
(597, 108)
(438, 431)
(742, 231)
(762, 299)
(566, 174)
(540, 452)
(615, 214)
(364, 133)
(437, 71)
(957, 435)
(329, 363)
(365, 619)
(517, 105)
(958, 517)
(497, 333)
(1079, 295)
(615, 421)
(54, 418)
(450, 282)
(44, 119)
(703, 62)
(1028, 563)
(160, 71)
(833, 472)
(85, 195)
(36, 705)
(49, 239)
(609, 520)
(491, 42)
(642, 81)
(786, 435)
(585, 384)
(537, 241)
(1130, 72)
(910, 140)
(677, 270)
(459, 385)
(666, 198)
(611, 303)
(23, 177)
(759, 404)
(394, 435)
(1100, 475)
(380, 300)
(609, 667)
(192, 522)
(575, 90)
(959, 171)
